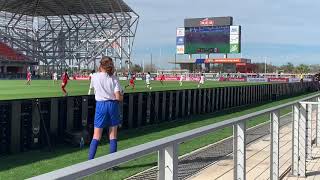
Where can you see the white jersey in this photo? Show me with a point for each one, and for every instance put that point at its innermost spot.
(105, 86)
(55, 76)
(181, 78)
(90, 76)
(148, 78)
(202, 79)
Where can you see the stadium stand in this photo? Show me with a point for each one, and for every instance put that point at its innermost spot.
(9, 53)
(13, 64)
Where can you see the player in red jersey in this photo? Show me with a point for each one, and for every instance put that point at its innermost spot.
(28, 78)
(131, 82)
(162, 78)
(65, 78)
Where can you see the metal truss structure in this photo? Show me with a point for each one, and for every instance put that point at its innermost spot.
(75, 33)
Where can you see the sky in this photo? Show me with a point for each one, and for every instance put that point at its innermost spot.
(278, 31)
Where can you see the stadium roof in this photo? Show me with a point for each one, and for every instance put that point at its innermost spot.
(63, 7)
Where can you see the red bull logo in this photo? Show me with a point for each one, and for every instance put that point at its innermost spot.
(206, 22)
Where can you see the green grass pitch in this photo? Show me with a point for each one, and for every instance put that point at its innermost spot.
(17, 89)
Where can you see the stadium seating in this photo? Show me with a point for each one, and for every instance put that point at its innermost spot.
(9, 53)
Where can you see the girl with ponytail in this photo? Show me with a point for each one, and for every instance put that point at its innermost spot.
(108, 94)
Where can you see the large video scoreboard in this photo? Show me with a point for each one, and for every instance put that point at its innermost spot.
(209, 37)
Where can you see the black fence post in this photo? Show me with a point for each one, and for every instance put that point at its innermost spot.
(171, 104)
(148, 118)
(248, 95)
(178, 104)
(217, 99)
(194, 102)
(70, 114)
(204, 101)
(221, 94)
(15, 136)
(242, 96)
(225, 92)
(130, 113)
(156, 107)
(213, 100)
(200, 94)
(232, 97)
(164, 106)
(183, 109)
(255, 94)
(237, 96)
(54, 112)
(140, 102)
(189, 102)
(209, 94)
(227, 96)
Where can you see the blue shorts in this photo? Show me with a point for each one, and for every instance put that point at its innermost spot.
(107, 114)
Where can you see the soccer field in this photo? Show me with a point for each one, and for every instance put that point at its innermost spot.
(17, 89)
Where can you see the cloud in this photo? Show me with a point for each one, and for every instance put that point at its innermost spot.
(285, 22)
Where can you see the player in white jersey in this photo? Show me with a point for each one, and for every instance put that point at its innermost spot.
(91, 74)
(201, 82)
(108, 95)
(55, 77)
(181, 79)
(148, 79)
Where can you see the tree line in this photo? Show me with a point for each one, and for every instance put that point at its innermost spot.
(288, 68)
(260, 68)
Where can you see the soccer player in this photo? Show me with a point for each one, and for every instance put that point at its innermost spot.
(301, 77)
(28, 78)
(55, 77)
(181, 79)
(148, 79)
(65, 79)
(131, 82)
(74, 76)
(162, 78)
(91, 74)
(201, 82)
(129, 76)
(108, 94)
(128, 79)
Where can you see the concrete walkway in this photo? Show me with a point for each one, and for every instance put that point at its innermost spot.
(258, 154)
(258, 161)
(313, 167)
(195, 162)
(216, 161)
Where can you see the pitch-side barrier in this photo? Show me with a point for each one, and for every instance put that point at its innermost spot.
(167, 147)
(22, 128)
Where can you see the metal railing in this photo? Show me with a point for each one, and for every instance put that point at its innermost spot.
(167, 147)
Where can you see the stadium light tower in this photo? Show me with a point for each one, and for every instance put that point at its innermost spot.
(151, 61)
(175, 61)
(59, 34)
(265, 65)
